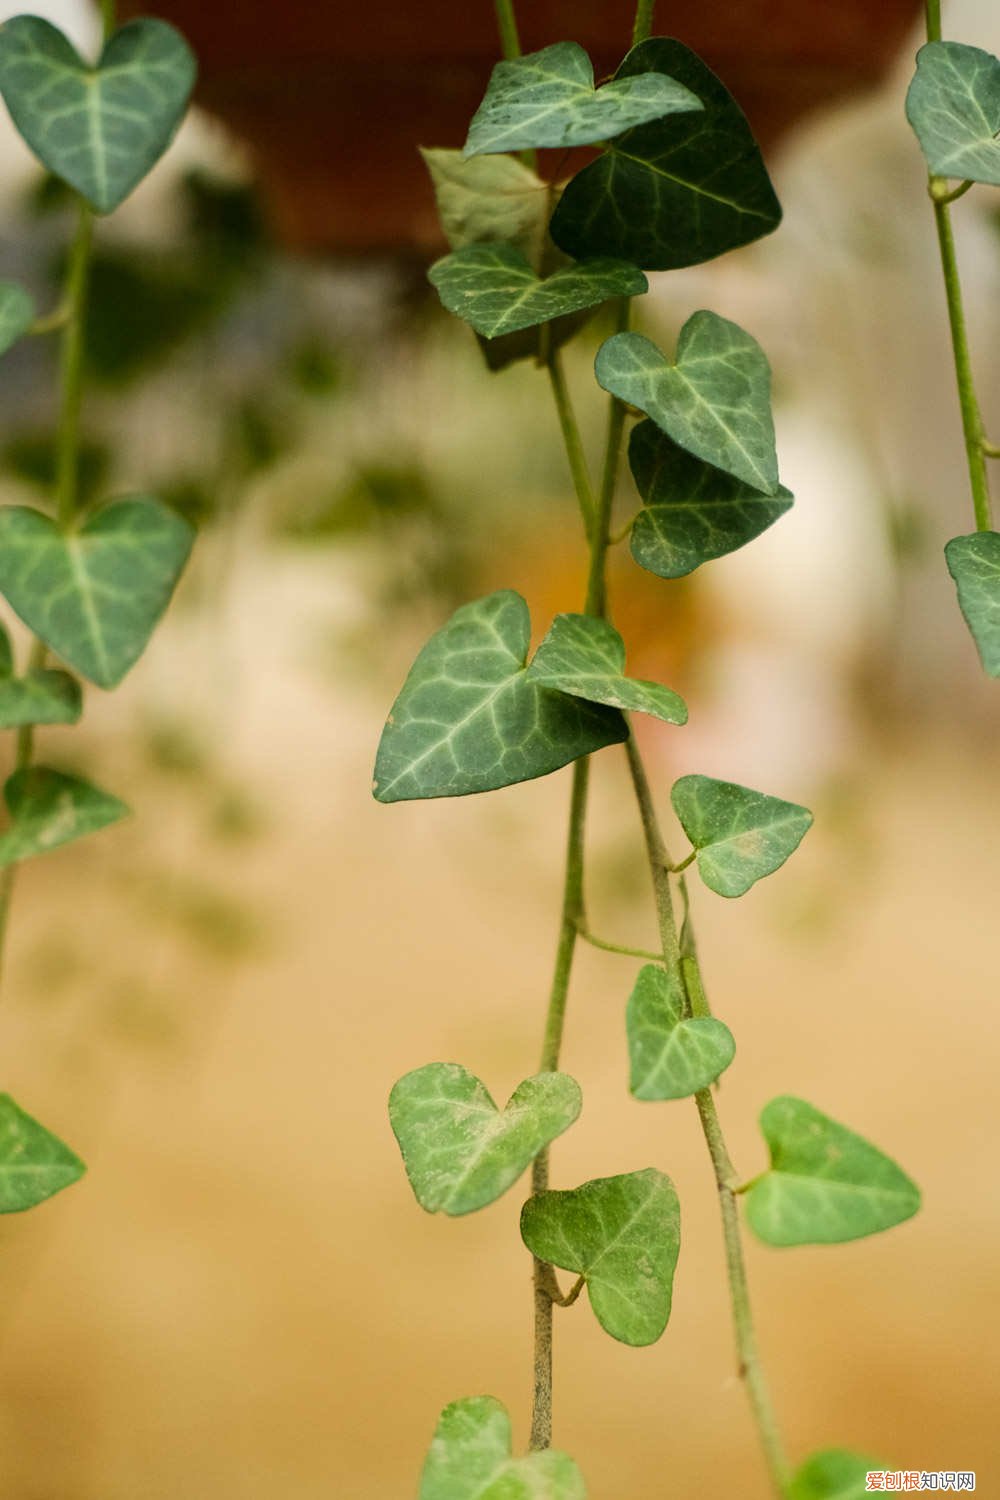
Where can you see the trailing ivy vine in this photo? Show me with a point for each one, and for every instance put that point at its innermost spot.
(90, 583)
(678, 180)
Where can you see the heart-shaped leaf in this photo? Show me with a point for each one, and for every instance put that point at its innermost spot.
(547, 98)
(39, 697)
(834, 1474)
(17, 309)
(676, 192)
(469, 717)
(693, 512)
(487, 200)
(672, 1055)
(715, 401)
(33, 1163)
(99, 128)
(460, 1151)
(826, 1184)
(94, 594)
(953, 105)
(494, 288)
(974, 563)
(739, 835)
(470, 1459)
(48, 809)
(622, 1235)
(585, 656)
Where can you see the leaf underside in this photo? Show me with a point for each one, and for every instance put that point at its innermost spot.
(489, 200)
(974, 564)
(470, 1459)
(953, 105)
(739, 835)
(671, 1055)
(585, 657)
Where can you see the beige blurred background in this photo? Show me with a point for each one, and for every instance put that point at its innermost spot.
(242, 1300)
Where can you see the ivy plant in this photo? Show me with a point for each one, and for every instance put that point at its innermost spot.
(678, 180)
(89, 581)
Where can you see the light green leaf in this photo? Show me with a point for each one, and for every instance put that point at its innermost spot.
(94, 594)
(715, 401)
(48, 809)
(974, 563)
(17, 310)
(41, 696)
(676, 192)
(585, 657)
(460, 1151)
(470, 1459)
(548, 98)
(99, 128)
(494, 288)
(826, 1184)
(834, 1474)
(622, 1235)
(672, 1055)
(953, 105)
(33, 1163)
(488, 200)
(739, 835)
(693, 512)
(470, 718)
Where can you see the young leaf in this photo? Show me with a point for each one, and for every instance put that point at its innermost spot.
(469, 717)
(494, 288)
(714, 401)
(94, 594)
(974, 563)
(489, 200)
(676, 192)
(48, 809)
(548, 98)
(41, 696)
(585, 657)
(460, 1151)
(739, 835)
(953, 104)
(99, 128)
(693, 512)
(826, 1184)
(34, 1164)
(672, 1055)
(622, 1235)
(17, 309)
(470, 1459)
(834, 1474)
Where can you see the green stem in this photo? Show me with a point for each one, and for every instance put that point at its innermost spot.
(933, 20)
(643, 21)
(71, 370)
(725, 1174)
(597, 590)
(972, 422)
(572, 440)
(510, 41)
(109, 17)
(606, 947)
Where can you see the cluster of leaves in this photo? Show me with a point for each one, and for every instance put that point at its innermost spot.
(678, 181)
(90, 585)
(953, 105)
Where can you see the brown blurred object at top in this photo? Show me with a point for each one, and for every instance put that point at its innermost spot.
(333, 99)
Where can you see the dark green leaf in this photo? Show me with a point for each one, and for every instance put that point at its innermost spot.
(460, 1151)
(48, 809)
(33, 1163)
(833, 1475)
(94, 594)
(470, 718)
(676, 192)
(490, 200)
(826, 1184)
(470, 1459)
(41, 696)
(548, 98)
(953, 105)
(622, 1235)
(714, 401)
(693, 512)
(494, 288)
(672, 1055)
(585, 657)
(99, 129)
(974, 563)
(739, 835)
(17, 313)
